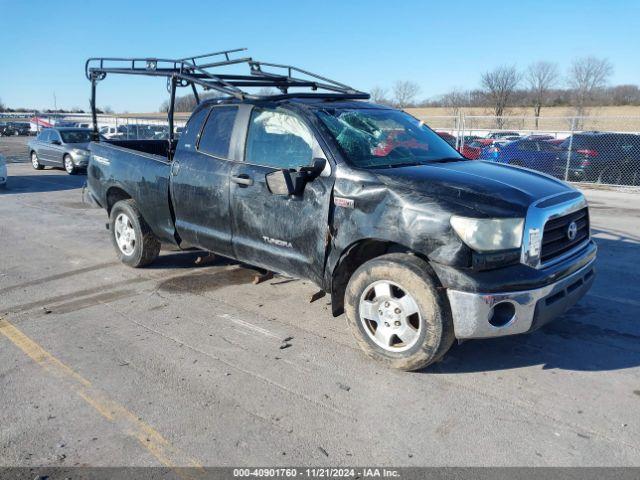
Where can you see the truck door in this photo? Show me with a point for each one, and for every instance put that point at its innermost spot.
(200, 179)
(282, 233)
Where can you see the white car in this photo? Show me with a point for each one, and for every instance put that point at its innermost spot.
(109, 131)
(3, 172)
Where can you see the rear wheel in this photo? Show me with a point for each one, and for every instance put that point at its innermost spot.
(133, 240)
(69, 166)
(35, 163)
(396, 313)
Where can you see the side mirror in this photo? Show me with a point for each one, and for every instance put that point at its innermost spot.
(56, 142)
(280, 182)
(292, 182)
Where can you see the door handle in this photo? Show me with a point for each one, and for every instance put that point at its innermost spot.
(175, 168)
(243, 180)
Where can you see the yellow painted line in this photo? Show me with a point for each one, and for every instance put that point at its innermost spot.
(127, 421)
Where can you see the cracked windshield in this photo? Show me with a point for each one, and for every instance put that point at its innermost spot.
(385, 138)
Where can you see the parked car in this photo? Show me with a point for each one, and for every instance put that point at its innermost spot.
(468, 151)
(3, 171)
(10, 129)
(20, 128)
(108, 131)
(417, 244)
(486, 142)
(540, 137)
(603, 157)
(504, 134)
(534, 154)
(61, 147)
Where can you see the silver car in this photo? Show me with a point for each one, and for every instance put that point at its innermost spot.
(61, 147)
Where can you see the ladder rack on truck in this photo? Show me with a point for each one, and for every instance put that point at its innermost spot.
(204, 70)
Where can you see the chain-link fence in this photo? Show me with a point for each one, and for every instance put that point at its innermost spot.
(594, 149)
(124, 127)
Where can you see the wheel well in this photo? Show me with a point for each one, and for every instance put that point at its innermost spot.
(351, 259)
(114, 195)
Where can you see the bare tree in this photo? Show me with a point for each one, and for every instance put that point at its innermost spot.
(1, 106)
(187, 103)
(455, 100)
(541, 77)
(405, 93)
(498, 86)
(623, 95)
(268, 91)
(107, 110)
(587, 77)
(379, 95)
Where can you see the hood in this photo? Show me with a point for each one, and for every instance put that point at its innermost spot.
(480, 187)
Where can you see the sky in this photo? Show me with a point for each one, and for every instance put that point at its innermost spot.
(439, 45)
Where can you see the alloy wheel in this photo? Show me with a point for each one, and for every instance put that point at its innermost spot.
(390, 316)
(125, 234)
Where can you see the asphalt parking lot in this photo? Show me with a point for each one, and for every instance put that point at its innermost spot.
(180, 364)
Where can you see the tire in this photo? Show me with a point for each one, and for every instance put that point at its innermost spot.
(68, 164)
(35, 163)
(428, 332)
(133, 240)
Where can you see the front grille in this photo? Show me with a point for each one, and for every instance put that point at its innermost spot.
(555, 239)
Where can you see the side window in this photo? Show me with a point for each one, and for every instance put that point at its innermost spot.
(44, 136)
(53, 135)
(216, 135)
(279, 139)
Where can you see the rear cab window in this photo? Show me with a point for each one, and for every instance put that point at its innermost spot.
(216, 134)
(189, 136)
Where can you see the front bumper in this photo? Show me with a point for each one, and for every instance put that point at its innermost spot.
(80, 160)
(484, 315)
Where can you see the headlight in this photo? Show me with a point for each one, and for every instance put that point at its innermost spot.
(489, 234)
(79, 151)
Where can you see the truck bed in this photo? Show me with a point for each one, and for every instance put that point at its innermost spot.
(138, 169)
(153, 147)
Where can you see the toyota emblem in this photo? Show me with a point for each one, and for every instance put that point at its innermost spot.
(572, 230)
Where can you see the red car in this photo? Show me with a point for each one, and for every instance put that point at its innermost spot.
(468, 151)
(395, 139)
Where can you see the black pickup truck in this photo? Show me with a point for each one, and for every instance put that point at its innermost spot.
(417, 244)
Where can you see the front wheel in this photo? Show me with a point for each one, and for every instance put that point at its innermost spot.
(69, 166)
(133, 240)
(396, 313)
(35, 163)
